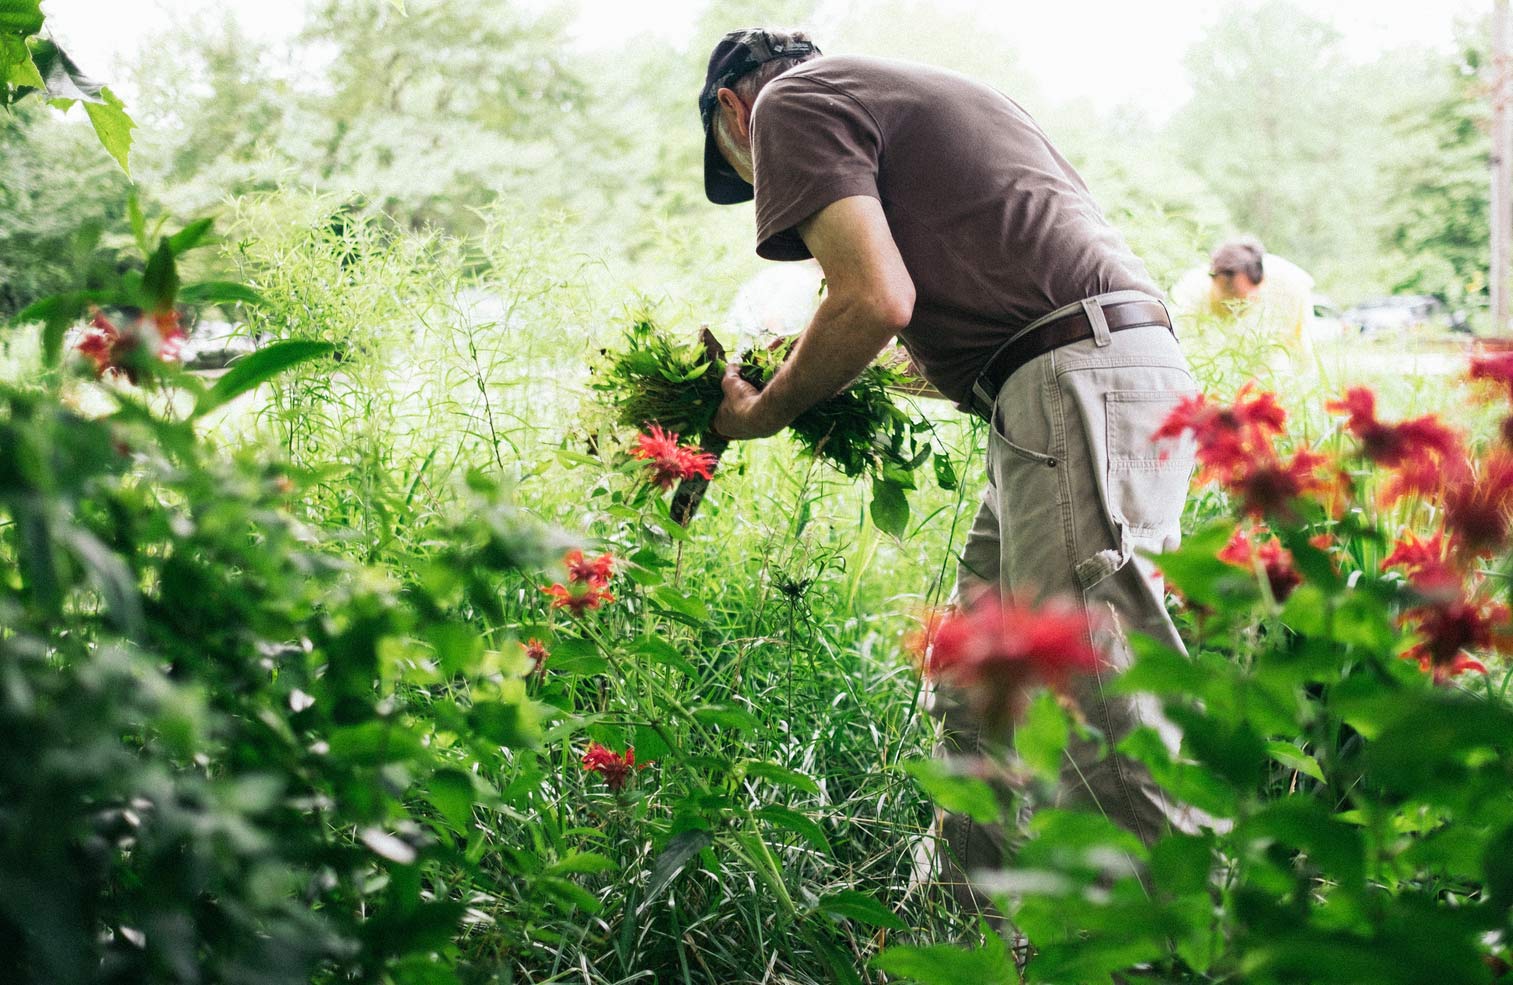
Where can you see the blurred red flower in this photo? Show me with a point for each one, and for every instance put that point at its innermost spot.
(579, 597)
(1478, 507)
(1424, 562)
(589, 571)
(1496, 368)
(538, 654)
(1000, 650)
(1275, 561)
(1230, 438)
(1449, 629)
(1422, 439)
(615, 768)
(1270, 487)
(669, 462)
(113, 350)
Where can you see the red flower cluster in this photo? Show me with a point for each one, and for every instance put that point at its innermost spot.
(587, 583)
(1450, 629)
(538, 654)
(1422, 439)
(1275, 561)
(1000, 650)
(1497, 368)
(615, 768)
(1237, 449)
(1479, 505)
(151, 337)
(669, 462)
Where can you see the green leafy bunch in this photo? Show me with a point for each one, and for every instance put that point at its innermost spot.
(655, 380)
(859, 430)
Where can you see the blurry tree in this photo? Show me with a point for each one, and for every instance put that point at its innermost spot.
(1437, 227)
(62, 206)
(433, 113)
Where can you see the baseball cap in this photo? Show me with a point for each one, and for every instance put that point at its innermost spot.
(737, 54)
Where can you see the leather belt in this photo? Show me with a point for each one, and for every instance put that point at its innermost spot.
(1074, 323)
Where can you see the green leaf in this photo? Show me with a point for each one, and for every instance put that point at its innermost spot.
(113, 127)
(16, 65)
(258, 368)
(800, 824)
(781, 775)
(946, 964)
(1294, 758)
(862, 908)
(1041, 738)
(954, 793)
(890, 507)
(61, 78)
(457, 645)
(686, 606)
(1180, 863)
(945, 472)
(582, 864)
(56, 314)
(372, 743)
(160, 281)
(20, 16)
(725, 716)
(138, 220)
(190, 236)
(112, 578)
(451, 793)
(576, 658)
(680, 850)
(219, 292)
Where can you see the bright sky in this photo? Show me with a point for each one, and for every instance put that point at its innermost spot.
(1114, 53)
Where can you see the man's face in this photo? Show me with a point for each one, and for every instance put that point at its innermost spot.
(733, 133)
(1234, 286)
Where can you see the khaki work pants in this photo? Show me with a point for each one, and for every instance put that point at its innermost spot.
(1076, 488)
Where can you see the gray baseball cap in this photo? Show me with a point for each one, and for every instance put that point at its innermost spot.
(737, 54)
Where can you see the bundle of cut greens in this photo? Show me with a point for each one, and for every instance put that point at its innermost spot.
(859, 431)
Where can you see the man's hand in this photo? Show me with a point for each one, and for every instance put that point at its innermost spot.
(869, 300)
(741, 416)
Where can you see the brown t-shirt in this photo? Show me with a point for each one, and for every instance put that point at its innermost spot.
(995, 227)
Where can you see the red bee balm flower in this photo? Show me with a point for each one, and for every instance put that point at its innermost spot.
(579, 597)
(1496, 368)
(1420, 439)
(589, 571)
(1229, 439)
(1000, 650)
(1478, 508)
(1451, 629)
(615, 768)
(669, 462)
(538, 654)
(1275, 560)
(151, 337)
(1269, 488)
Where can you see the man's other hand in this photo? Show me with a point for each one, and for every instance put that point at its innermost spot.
(741, 414)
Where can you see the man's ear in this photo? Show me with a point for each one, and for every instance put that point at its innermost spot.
(736, 112)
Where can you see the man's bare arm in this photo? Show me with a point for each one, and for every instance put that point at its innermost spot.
(869, 298)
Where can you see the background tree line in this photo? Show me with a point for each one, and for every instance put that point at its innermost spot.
(1371, 174)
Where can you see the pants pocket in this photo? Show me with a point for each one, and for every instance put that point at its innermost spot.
(1146, 481)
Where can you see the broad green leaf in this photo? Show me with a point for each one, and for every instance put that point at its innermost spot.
(862, 908)
(20, 16)
(1180, 863)
(799, 823)
(725, 716)
(451, 793)
(582, 864)
(946, 964)
(218, 292)
(680, 850)
(1294, 758)
(16, 65)
(576, 658)
(112, 578)
(258, 368)
(458, 646)
(890, 508)
(160, 281)
(372, 743)
(781, 775)
(1041, 738)
(190, 236)
(684, 605)
(954, 793)
(61, 78)
(113, 127)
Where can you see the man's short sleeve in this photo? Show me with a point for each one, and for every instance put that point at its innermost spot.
(812, 145)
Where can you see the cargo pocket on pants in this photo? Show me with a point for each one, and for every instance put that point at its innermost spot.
(1146, 480)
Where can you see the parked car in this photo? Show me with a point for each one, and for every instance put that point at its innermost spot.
(1326, 323)
(1398, 313)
